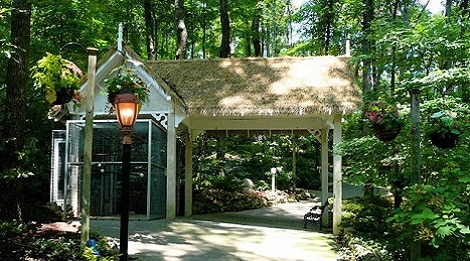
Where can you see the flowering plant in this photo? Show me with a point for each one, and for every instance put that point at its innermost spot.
(383, 114)
(126, 79)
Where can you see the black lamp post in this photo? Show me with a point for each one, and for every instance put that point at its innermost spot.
(126, 111)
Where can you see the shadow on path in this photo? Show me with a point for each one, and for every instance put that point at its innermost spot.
(273, 233)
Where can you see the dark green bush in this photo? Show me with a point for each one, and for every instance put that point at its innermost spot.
(44, 213)
(367, 216)
(12, 245)
(366, 234)
(216, 200)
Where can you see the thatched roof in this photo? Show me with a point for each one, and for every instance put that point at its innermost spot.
(260, 86)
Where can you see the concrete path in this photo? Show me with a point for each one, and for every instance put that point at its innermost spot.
(273, 233)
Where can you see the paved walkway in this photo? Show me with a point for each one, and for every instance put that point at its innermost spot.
(273, 233)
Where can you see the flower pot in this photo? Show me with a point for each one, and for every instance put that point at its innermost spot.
(444, 140)
(384, 133)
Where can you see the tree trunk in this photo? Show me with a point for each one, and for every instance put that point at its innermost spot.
(149, 29)
(367, 18)
(255, 27)
(225, 23)
(448, 8)
(14, 124)
(204, 6)
(156, 29)
(290, 26)
(182, 34)
(367, 71)
(329, 26)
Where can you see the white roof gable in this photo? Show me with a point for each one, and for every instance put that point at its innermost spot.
(160, 101)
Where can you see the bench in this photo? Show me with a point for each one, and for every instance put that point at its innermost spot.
(315, 214)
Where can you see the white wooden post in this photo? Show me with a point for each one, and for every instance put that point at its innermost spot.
(337, 176)
(171, 164)
(88, 146)
(188, 175)
(324, 173)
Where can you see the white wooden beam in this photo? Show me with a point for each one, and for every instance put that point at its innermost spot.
(255, 123)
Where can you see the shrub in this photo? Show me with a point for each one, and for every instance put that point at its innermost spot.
(366, 236)
(366, 215)
(430, 215)
(217, 200)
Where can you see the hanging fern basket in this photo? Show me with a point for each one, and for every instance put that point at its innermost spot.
(384, 133)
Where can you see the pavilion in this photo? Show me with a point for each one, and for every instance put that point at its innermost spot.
(220, 96)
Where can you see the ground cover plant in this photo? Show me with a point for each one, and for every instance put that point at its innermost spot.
(46, 235)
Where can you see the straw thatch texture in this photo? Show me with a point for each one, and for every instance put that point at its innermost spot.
(260, 86)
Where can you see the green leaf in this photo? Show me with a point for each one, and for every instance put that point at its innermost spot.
(426, 214)
(465, 230)
(444, 231)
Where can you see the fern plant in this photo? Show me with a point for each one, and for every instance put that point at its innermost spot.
(58, 79)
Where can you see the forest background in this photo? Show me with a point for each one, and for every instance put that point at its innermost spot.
(398, 49)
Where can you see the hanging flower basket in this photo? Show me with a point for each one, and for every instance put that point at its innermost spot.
(126, 80)
(444, 140)
(384, 119)
(384, 133)
(58, 79)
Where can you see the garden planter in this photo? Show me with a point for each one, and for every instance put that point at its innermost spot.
(386, 134)
(444, 140)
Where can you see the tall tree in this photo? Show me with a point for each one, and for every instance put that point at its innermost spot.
(225, 23)
(255, 28)
(149, 29)
(14, 124)
(367, 71)
(182, 34)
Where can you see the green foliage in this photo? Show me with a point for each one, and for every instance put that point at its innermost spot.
(52, 74)
(253, 157)
(383, 166)
(41, 213)
(25, 157)
(430, 215)
(126, 79)
(448, 114)
(366, 216)
(285, 180)
(216, 200)
(20, 241)
(365, 236)
(53, 249)
(227, 183)
(11, 247)
(445, 122)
